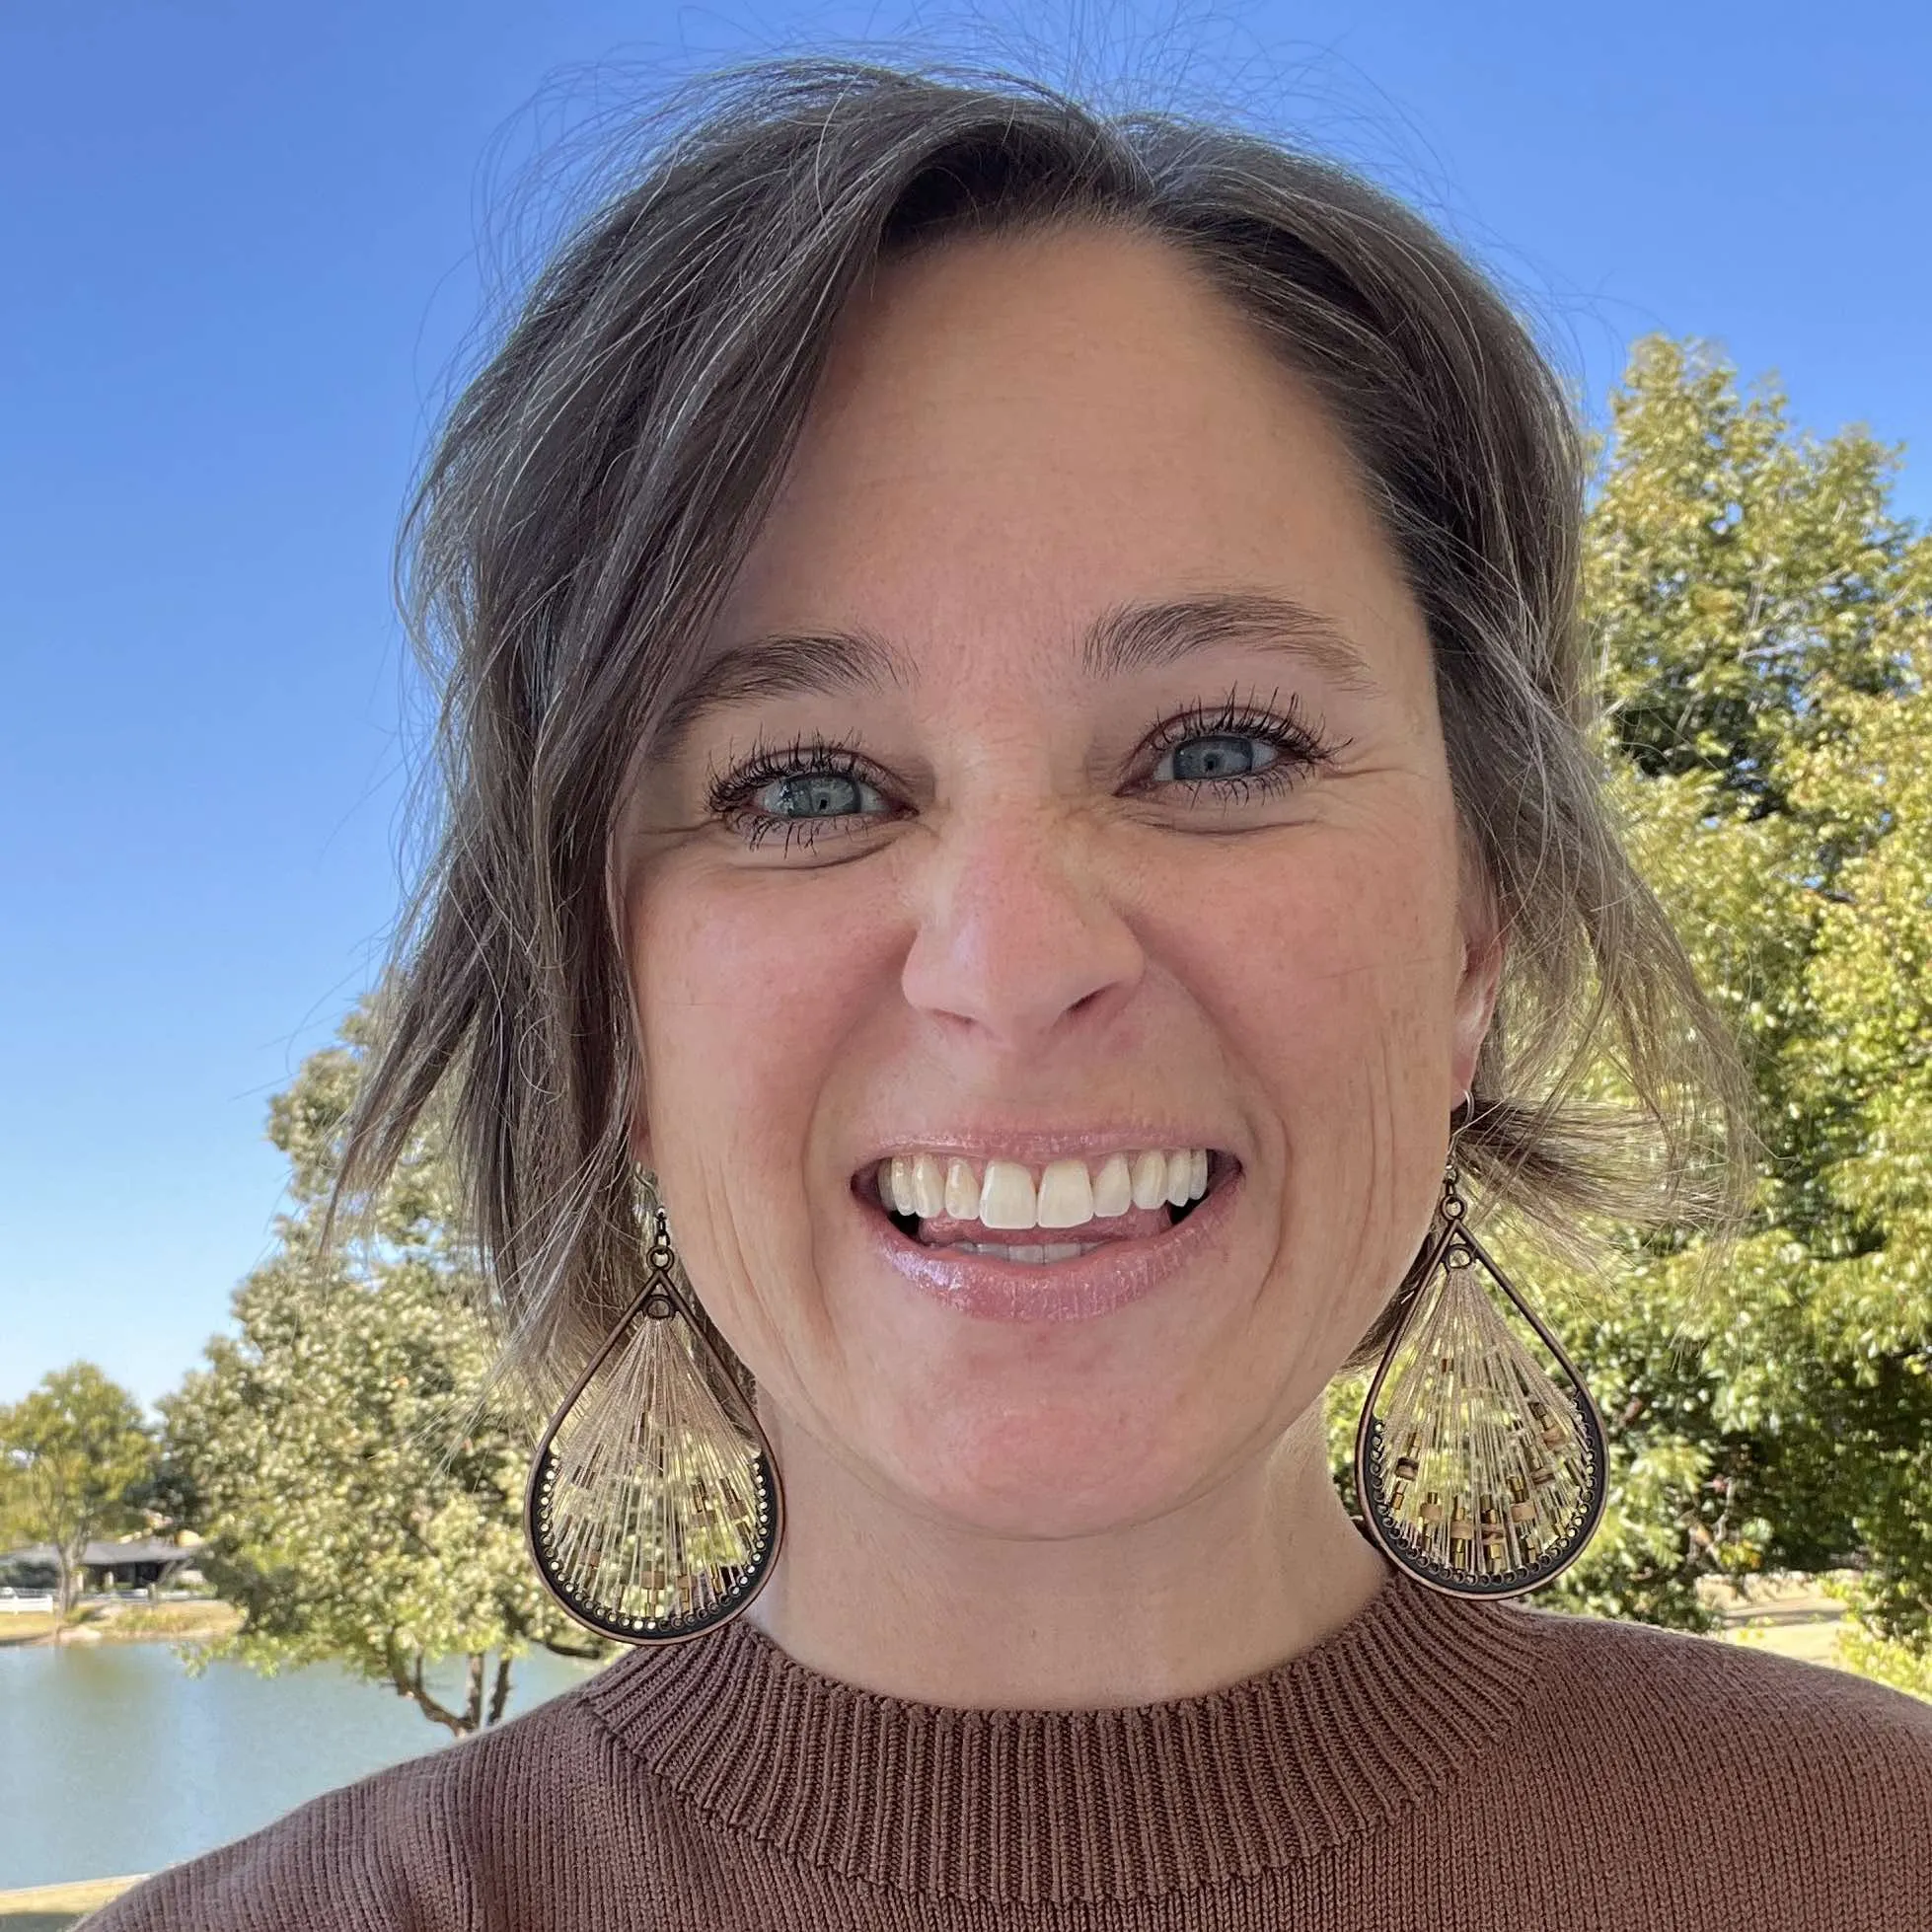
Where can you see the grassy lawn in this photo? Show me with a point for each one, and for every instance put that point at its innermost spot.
(1790, 1616)
(54, 1908)
(1809, 1642)
(132, 1621)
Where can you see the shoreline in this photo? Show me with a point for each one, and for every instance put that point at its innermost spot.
(196, 1620)
(38, 1906)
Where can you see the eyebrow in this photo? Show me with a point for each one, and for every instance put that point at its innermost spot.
(1122, 640)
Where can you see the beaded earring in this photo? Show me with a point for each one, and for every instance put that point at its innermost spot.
(1499, 1476)
(653, 1508)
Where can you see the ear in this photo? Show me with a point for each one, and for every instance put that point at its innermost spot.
(638, 1136)
(1483, 950)
(633, 1090)
(634, 1087)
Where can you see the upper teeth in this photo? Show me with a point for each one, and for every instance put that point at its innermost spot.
(1004, 1194)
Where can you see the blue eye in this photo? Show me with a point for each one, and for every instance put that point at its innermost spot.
(813, 790)
(815, 794)
(1236, 752)
(1213, 756)
(800, 792)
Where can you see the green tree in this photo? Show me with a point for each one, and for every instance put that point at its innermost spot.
(1763, 621)
(74, 1452)
(356, 1473)
(1763, 618)
(1862, 1071)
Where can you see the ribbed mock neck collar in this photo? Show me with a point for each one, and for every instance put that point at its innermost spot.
(1064, 1807)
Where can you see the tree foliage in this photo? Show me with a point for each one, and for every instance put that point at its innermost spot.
(357, 1474)
(74, 1453)
(1764, 620)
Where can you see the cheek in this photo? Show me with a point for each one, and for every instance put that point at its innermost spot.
(747, 988)
(1341, 942)
(1333, 1001)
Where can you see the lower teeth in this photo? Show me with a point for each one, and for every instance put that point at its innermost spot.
(1052, 1251)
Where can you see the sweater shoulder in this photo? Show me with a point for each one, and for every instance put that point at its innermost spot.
(419, 1843)
(1695, 1715)
(1766, 1696)
(1670, 1772)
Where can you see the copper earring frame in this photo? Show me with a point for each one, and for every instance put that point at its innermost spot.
(1370, 1446)
(660, 1300)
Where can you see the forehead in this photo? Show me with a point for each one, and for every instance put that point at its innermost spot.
(1016, 434)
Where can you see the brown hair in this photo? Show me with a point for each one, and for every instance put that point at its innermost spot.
(597, 481)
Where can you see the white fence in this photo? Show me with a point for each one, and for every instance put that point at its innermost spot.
(10, 1603)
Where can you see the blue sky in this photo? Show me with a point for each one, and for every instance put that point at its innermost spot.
(242, 245)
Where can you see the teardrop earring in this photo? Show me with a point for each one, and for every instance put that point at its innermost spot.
(1499, 1478)
(653, 1510)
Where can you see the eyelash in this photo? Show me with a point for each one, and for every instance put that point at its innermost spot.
(729, 794)
(1300, 746)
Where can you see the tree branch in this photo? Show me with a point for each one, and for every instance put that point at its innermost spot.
(409, 1683)
(473, 1704)
(500, 1695)
(590, 1651)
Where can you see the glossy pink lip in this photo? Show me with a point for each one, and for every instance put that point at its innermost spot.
(1038, 1145)
(1112, 1276)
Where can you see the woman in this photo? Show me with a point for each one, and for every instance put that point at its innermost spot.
(1017, 774)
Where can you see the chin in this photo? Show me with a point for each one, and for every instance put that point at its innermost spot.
(1055, 1471)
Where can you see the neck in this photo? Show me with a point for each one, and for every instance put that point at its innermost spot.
(1260, 1568)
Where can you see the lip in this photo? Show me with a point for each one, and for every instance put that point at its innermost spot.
(1111, 1277)
(1035, 1146)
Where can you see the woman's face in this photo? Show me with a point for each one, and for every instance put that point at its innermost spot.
(1065, 784)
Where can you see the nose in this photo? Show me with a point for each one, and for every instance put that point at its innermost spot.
(1019, 940)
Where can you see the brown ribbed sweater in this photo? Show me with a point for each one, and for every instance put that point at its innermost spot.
(1434, 1766)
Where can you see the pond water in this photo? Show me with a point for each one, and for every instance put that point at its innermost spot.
(113, 1760)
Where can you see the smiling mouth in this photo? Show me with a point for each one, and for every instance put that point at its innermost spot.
(1038, 1218)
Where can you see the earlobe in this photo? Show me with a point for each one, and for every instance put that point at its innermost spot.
(1483, 948)
(1482, 972)
(1476, 1002)
(638, 1136)
(637, 1119)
